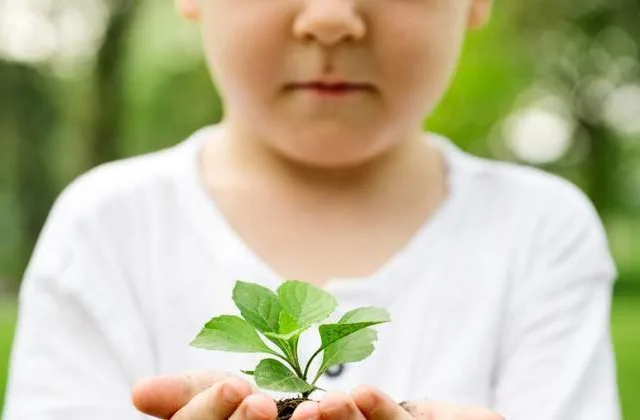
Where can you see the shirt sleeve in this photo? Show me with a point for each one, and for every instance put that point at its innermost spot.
(80, 340)
(556, 360)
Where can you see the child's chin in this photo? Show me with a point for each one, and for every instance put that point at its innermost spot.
(331, 158)
(330, 146)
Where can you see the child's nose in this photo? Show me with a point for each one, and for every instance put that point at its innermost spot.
(329, 22)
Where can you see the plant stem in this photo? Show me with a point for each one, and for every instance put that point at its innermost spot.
(290, 356)
(289, 362)
(317, 377)
(296, 369)
(306, 369)
(294, 351)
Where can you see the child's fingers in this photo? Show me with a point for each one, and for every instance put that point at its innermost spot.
(255, 407)
(163, 396)
(218, 402)
(336, 406)
(308, 410)
(375, 405)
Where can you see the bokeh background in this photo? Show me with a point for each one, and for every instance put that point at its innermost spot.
(550, 83)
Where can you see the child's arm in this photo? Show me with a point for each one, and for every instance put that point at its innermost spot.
(79, 342)
(556, 359)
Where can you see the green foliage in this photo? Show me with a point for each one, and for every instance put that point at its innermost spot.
(230, 333)
(272, 374)
(351, 322)
(8, 318)
(258, 305)
(625, 321)
(352, 348)
(282, 317)
(306, 304)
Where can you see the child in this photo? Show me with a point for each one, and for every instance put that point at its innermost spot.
(498, 277)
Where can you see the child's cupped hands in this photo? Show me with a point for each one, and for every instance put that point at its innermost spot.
(208, 395)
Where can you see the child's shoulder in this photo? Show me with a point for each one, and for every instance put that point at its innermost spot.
(119, 180)
(520, 192)
(104, 205)
(509, 181)
(107, 194)
(528, 192)
(534, 183)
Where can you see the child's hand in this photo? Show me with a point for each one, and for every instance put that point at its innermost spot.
(218, 396)
(367, 403)
(375, 405)
(202, 396)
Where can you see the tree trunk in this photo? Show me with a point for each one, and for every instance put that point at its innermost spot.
(109, 90)
(601, 168)
(28, 115)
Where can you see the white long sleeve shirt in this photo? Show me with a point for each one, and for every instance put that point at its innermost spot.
(501, 299)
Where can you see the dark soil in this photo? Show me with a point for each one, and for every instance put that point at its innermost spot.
(407, 407)
(412, 409)
(287, 406)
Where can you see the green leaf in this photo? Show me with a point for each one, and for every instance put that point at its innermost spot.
(258, 305)
(351, 322)
(330, 333)
(366, 314)
(273, 375)
(352, 348)
(306, 303)
(289, 329)
(230, 333)
(287, 323)
(248, 372)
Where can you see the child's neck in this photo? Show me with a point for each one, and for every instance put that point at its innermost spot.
(411, 158)
(319, 215)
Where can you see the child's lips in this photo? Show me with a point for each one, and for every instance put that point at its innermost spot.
(332, 88)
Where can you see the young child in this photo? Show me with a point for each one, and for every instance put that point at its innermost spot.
(498, 277)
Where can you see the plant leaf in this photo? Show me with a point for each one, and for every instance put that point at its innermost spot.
(366, 314)
(258, 305)
(306, 303)
(330, 333)
(248, 372)
(289, 329)
(273, 375)
(352, 348)
(351, 322)
(287, 323)
(230, 333)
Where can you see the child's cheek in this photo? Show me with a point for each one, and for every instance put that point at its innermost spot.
(246, 45)
(417, 59)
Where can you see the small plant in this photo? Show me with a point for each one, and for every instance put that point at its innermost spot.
(280, 318)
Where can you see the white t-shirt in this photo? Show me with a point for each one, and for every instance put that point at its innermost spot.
(501, 299)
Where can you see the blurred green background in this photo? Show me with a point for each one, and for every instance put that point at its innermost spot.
(551, 83)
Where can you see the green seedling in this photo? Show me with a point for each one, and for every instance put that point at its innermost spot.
(272, 323)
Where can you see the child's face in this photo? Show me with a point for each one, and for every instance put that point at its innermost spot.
(403, 53)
